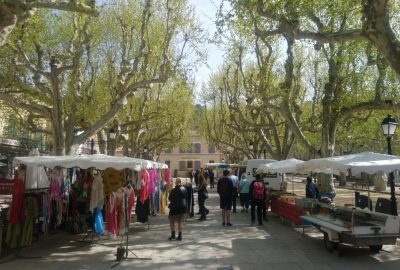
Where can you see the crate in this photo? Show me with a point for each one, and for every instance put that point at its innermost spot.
(305, 202)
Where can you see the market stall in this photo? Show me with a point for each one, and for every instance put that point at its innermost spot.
(283, 204)
(79, 185)
(367, 162)
(359, 227)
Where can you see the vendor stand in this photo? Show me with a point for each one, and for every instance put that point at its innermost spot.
(145, 168)
(349, 225)
(282, 203)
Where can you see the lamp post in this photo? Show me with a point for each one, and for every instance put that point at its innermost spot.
(91, 146)
(113, 134)
(251, 147)
(145, 152)
(389, 126)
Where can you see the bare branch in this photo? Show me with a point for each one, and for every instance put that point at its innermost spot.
(72, 6)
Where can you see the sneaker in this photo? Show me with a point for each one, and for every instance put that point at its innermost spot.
(228, 224)
(223, 223)
(179, 238)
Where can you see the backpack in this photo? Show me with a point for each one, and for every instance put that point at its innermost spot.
(258, 191)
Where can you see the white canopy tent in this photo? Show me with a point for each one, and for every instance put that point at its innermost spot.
(367, 162)
(98, 161)
(283, 166)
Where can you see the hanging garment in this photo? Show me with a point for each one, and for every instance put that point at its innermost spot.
(97, 193)
(36, 178)
(131, 203)
(113, 180)
(142, 210)
(156, 201)
(56, 183)
(120, 207)
(17, 213)
(98, 221)
(152, 181)
(167, 177)
(144, 191)
(163, 205)
(111, 215)
(13, 233)
(44, 218)
(190, 200)
(31, 214)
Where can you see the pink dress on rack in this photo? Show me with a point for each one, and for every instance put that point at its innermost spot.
(152, 181)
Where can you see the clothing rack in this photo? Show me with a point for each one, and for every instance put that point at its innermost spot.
(123, 251)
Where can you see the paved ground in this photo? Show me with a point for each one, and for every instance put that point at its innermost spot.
(205, 245)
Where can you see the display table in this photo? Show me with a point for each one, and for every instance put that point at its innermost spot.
(288, 211)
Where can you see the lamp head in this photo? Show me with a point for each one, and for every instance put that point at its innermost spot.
(112, 133)
(389, 126)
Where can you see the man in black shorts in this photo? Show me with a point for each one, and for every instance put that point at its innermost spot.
(225, 191)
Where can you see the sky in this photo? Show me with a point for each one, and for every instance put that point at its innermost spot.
(205, 12)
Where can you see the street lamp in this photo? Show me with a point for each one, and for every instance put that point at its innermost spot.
(112, 133)
(145, 152)
(251, 147)
(389, 126)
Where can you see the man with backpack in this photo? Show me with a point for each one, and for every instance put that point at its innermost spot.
(257, 198)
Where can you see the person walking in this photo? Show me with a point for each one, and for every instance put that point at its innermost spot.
(311, 189)
(177, 209)
(212, 178)
(244, 186)
(257, 198)
(202, 196)
(225, 191)
(196, 177)
(235, 183)
(190, 174)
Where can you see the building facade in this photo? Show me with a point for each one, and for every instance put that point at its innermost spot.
(199, 152)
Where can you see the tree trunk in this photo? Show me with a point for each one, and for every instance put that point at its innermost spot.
(342, 179)
(377, 29)
(326, 184)
(8, 21)
(57, 117)
(380, 181)
(102, 141)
